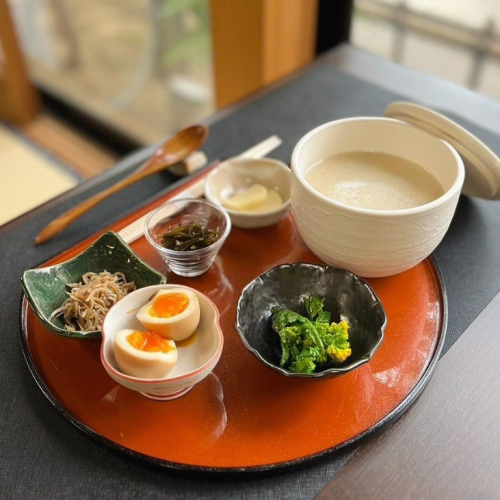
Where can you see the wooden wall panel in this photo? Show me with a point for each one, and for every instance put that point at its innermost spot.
(237, 37)
(256, 42)
(289, 36)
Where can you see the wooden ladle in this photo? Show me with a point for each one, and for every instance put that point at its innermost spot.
(173, 151)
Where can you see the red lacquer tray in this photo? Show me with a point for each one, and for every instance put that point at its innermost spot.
(245, 416)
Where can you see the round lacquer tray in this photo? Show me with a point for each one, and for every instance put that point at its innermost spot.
(244, 416)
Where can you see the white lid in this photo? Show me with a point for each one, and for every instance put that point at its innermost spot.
(482, 166)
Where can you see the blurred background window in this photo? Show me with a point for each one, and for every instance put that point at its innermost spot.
(457, 40)
(107, 76)
(84, 82)
(143, 67)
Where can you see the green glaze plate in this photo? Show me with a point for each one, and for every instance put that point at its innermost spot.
(46, 289)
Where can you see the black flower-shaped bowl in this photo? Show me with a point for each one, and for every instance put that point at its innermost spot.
(286, 286)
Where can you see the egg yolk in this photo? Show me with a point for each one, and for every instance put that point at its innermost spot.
(168, 305)
(149, 342)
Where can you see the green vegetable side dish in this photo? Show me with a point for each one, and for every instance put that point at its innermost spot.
(310, 343)
(192, 236)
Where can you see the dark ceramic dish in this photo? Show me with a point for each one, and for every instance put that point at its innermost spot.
(286, 286)
(45, 287)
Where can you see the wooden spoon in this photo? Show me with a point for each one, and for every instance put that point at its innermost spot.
(176, 149)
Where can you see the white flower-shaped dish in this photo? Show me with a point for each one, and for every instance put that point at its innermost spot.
(196, 358)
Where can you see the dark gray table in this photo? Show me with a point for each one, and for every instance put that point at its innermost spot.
(44, 456)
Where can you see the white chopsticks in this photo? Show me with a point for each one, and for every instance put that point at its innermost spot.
(135, 230)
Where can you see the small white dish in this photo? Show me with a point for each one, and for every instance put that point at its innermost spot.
(196, 358)
(236, 175)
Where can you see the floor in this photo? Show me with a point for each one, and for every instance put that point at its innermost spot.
(42, 160)
(29, 176)
(74, 148)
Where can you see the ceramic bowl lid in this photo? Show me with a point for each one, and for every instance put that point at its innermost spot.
(482, 166)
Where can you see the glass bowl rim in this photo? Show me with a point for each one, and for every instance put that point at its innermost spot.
(167, 251)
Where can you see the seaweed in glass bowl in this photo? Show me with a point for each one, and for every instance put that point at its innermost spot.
(207, 221)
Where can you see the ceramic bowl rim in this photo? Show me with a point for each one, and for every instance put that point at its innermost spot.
(77, 334)
(147, 381)
(175, 253)
(249, 215)
(330, 371)
(446, 197)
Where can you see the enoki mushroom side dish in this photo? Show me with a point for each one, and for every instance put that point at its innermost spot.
(90, 300)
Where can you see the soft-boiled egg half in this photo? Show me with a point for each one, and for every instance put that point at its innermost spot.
(173, 313)
(144, 354)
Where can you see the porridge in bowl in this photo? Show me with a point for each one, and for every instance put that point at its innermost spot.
(374, 180)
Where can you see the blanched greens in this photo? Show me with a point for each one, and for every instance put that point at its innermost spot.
(309, 343)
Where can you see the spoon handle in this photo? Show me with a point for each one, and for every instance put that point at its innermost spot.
(65, 219)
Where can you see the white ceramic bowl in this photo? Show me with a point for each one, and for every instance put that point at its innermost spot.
(374, 243)
(195, 360)
(236, 175)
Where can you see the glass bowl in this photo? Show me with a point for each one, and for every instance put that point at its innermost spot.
(187, 263)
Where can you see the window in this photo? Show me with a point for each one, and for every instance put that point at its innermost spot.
(453, 39)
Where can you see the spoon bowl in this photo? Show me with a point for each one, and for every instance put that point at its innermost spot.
(179, 147)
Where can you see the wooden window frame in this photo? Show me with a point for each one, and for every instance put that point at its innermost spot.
(20, 101)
